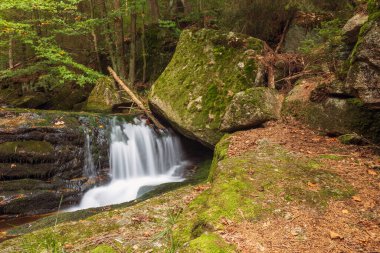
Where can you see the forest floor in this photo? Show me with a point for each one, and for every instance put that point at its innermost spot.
(351, 225)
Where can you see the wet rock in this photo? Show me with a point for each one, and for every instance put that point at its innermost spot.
(41, 160)
(251, 108)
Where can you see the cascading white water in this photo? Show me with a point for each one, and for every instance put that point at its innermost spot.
(89, 167)
(138, 157)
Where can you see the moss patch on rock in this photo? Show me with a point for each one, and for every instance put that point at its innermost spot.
(103, 97)
(208, 68)
(38, 147)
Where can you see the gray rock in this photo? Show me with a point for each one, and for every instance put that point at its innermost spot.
(251, 108)
(363, 79)
(352, 28)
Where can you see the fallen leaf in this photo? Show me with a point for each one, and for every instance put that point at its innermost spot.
(357, 198)
(372, 172)
(345, 211)
(335, 236)
(313, 186)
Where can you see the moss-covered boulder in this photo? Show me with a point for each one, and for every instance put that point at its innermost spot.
(363, 79)
(103, 97)
(251, 108)
(208, 68)
(332, 115)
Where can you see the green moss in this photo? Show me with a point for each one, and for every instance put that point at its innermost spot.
(332, 157)
(103, 96)
(351, 139)
(209, 243)
(208, 68)
(40, 147)
(220, 153)
(250, 187)
(103, 249)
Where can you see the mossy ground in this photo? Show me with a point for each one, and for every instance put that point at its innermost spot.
(255, 186)
(251, 186)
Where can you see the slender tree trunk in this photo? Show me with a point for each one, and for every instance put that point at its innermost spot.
(10, 53)
(143, 47)
(37, 22)
(154, 11)
(119, 41)
(132, 58)
(186, 6)
(108, 39)
(95, 37)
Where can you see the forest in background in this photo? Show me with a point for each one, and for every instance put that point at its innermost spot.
(50, 43)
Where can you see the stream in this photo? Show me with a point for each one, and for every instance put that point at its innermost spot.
(140, 159)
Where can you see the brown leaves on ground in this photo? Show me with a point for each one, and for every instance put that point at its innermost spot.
(351, 225)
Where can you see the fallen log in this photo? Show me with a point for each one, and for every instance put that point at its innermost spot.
(136, 99)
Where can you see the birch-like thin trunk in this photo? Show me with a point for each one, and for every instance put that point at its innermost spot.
(10, 53)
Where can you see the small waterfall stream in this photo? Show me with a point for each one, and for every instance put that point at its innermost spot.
(138, 157)
(89, 167)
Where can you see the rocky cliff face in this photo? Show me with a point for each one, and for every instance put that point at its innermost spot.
(42, 159)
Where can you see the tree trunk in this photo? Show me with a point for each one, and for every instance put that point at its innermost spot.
(137, 100)
(94, 37)
(10, 53)
(119, 41)
(186, 6)
(108, 39)
(143, 47)
(154, 11)
(132, 58)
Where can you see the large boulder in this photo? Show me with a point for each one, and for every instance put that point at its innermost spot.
(103, 97)
(208, 68)
(251, 108)
(329, 113)
(363, 79)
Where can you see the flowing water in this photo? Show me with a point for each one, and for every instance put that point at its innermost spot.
(89, 167)
(139, 157)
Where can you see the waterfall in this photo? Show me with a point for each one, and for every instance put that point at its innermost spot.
(89, 167)
(139, 157)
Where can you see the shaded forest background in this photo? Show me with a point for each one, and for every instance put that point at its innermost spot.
(70, 43)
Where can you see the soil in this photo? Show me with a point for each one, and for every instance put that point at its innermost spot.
(351, 225)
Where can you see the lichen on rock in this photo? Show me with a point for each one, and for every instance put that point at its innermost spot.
(208, 68)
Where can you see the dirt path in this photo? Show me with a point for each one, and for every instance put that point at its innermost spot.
(351, 225)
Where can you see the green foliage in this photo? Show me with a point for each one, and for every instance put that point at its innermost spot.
(35, 25)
